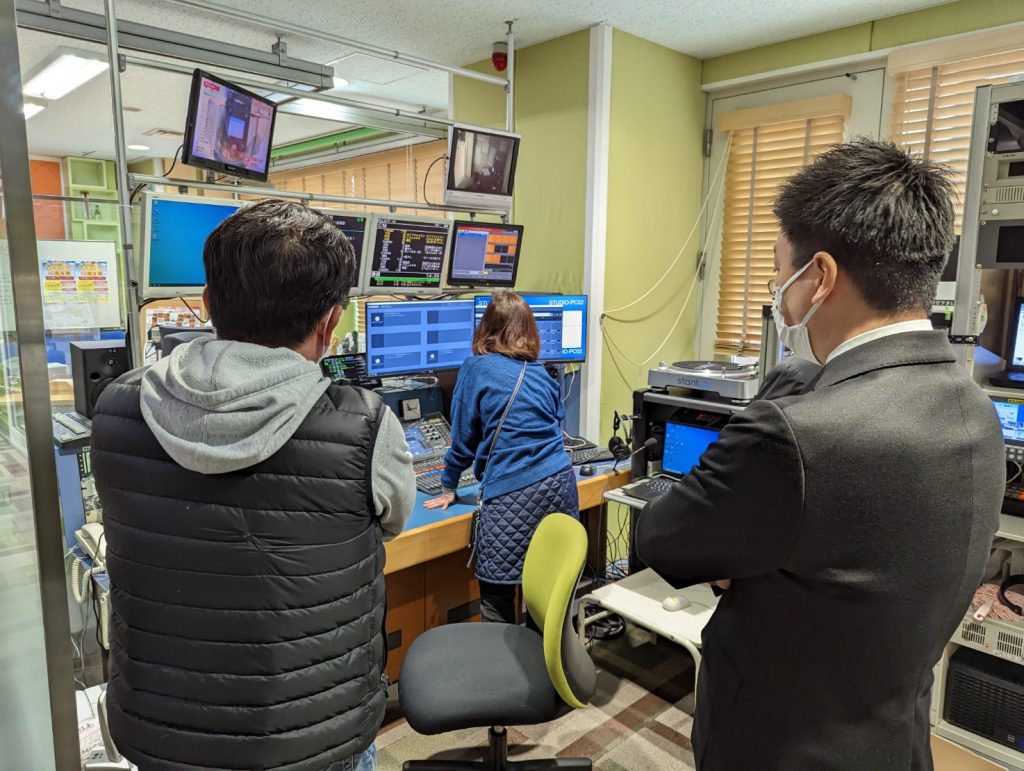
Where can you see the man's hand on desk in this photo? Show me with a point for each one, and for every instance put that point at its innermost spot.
(443, 501)
(724, 584)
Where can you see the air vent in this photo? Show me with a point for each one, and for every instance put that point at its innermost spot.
(972, 632)
(1008, 194)
(1010, 644)
(159, 132)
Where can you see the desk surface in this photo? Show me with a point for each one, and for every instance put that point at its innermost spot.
(432, 533)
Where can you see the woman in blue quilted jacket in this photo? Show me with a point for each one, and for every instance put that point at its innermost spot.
(507, 423)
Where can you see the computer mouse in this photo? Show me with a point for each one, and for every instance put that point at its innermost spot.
(587, 470)
(675, 602)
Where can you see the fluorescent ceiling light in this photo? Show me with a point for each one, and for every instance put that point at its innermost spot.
(340, 82)
(31, 108)
(138, 147)
(277, 98)
(312, 108)
(66, 71)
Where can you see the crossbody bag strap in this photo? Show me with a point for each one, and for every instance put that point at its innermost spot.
(508, 408)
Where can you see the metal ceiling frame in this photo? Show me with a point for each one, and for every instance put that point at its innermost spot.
(68, 22)
(50, 17)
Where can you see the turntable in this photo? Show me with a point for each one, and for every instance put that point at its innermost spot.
(736, 382)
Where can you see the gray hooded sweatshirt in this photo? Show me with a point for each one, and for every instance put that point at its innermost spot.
(217, 406)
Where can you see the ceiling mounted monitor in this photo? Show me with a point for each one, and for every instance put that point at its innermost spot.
(228, 129)
(481, 168)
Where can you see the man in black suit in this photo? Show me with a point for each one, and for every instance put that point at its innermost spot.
(854, 519)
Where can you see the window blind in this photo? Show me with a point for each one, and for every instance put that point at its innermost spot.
(761, 157)
(933, 107)
(392, 175)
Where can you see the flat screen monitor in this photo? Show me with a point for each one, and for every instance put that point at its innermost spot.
(1010, 412)
(481, 168)
(561, 321)
(228, 129)
(406, 255)
(354, 225)
(484, 254)
(348, 368)
(174, 229)
(1015, 338)
(1007, 132)
(684, 444)
(417, 336)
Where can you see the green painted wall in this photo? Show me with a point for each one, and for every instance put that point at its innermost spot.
(916, 27)
(655, 161)
(552, 82)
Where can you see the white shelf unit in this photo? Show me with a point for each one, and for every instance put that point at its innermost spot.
(996, 638)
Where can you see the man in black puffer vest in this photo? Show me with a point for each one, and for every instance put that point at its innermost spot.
(246, 500)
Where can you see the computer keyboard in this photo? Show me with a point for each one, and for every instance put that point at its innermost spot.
(1013, 502)
(651, 489)
(590, 455)
(430, 483)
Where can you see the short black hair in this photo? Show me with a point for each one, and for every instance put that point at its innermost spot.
(273, 269)
(886, 217)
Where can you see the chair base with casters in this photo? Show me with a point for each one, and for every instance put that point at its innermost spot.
(497, 760)
(488, 675)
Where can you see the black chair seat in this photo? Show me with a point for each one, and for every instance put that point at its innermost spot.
(475, 675)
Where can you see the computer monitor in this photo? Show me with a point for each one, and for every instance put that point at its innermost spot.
(406, 255)
(348, 368)
(228, 129)
(481, 168)
(1015, 338)
(1010, 412)
(561, 321)
(684, 444)
(173, 232)
(484, 254)
(354, 225)
(417, 336)
(171, 337)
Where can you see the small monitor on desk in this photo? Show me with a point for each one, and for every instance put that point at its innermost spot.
(418, 336)
(1010, 411)
(561, 322)
(684, 444)
(406, 255)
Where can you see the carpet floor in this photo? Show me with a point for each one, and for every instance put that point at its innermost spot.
(639, 720)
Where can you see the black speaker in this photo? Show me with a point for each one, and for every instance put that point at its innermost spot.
(94, 366)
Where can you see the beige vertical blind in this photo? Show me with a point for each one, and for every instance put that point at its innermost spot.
(761, 157)
(392, 175)
(933, 107)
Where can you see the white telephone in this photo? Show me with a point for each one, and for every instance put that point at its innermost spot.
(93, 542)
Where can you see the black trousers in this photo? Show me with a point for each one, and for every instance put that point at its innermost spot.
(498, 602)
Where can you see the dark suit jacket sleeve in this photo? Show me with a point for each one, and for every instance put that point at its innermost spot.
(788, 379)
(738, 513)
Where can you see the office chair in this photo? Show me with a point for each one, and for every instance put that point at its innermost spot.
(476, 675)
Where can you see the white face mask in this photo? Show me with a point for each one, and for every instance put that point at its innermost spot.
(795, 337)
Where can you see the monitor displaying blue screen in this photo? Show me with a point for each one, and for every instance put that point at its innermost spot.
(177, 234)
(1011, 419)
(404, 337)
(683, 447)
(561, 321)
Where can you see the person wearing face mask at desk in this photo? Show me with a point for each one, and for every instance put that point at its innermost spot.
(854, 520)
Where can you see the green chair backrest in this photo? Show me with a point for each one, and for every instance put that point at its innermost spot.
(554, 563)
